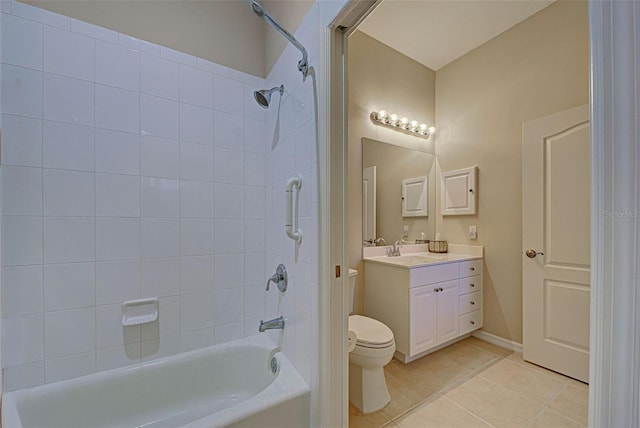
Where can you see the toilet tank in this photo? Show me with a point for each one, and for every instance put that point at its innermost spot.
(353, 274)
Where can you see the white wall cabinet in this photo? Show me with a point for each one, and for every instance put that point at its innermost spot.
(458, 191)
(426, 307)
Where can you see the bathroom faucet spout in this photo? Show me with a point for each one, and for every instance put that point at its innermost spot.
(274, 324)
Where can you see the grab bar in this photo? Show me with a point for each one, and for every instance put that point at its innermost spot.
(291, 221)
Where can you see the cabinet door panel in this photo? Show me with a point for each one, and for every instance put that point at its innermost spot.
(448, 318)
(423, 319)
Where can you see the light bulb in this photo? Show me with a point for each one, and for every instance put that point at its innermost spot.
(382, 116)
(404, 122)
(393, 119)
(432, 130)
(413, 125)
(423, 128)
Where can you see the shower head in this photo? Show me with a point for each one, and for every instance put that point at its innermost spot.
(257, 8)
(263, 97)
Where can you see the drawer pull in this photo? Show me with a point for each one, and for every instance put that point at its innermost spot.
(472, 268)
(472, 322)
(472, 285)
(473, 303)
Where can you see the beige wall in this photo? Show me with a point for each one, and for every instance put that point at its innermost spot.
(534, 69)
(223, 31)
(380, 78)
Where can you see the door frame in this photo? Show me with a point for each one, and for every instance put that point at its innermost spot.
(614, 392)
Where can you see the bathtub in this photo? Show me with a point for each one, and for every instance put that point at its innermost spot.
(228, 385)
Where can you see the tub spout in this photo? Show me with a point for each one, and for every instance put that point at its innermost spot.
(274, 324)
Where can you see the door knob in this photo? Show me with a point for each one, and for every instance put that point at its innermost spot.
(532, 253)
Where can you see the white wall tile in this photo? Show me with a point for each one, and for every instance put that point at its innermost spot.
(159, 197)
(158, 117)
(21, 290)
(254, 240)
(67, 146)
(68, 193)
(21, 91)
(21, 190)
(196, 339)
(196, 237)
(244, 77)
(228, 166)
(196, 311)
(117, 238)
(39, 15)
(68, 54)
(93, 31)
(69, 332)
(117, 109)
(229, 236)
(21, 42)
(229, 271)
(63, 368)
(24, 376)
(69, 286)
(196, 162)
(160, 277)
(109, 329)
(254, 202)
(119, 356)
(196, 199)
(212, 67)
(21, 240)
(117, 66)
(21, 141)
(117, 281)
(227, 332)
(160, 237)
(159, 157)
(254, 302)
(68, 100)
(138, 44)
(254, 268)
(254, 136)
(22, 339)
(228, 130)
(228, 201)
(254, 169)
(252, 109)
(196, 124)
(229, 306)
(168, 323)
(196, 87)
(162, 347)
(159, 76)
(117, 195)
(228, 95)
(117, 152)
(69, 239)
(196, 274)
(180, 57)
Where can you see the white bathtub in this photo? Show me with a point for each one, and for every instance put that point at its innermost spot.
(225, 385)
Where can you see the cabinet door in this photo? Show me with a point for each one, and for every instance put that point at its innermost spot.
(422, 318)
(448, 319)
(458, 191)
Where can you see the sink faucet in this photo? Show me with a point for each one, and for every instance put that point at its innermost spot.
(395, 251)
(274, 324)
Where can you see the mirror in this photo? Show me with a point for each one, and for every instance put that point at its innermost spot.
(385, 167)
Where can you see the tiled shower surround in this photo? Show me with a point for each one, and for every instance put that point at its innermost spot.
(129, 171)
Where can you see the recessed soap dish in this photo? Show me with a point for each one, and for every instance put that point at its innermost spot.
(135, 312)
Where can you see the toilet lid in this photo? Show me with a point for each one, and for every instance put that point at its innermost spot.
(370, 331)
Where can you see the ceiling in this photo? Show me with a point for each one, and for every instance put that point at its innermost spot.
(436, 32)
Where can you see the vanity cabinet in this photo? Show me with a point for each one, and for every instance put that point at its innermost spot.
(426, 307)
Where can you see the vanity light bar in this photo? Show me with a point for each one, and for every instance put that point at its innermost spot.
(401, 124)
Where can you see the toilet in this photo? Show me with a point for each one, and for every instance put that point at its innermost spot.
(371, 348)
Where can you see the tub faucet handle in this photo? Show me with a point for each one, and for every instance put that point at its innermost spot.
(279, 278)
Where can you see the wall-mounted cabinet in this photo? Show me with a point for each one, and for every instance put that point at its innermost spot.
(458, 191)
(415, 197)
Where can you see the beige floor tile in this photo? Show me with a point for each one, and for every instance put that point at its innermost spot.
(440, 413)
(493, 403)
(573, 402)
(468, 356)
(437, 370)
(524, 381)
(550, 419)
(517, 358)
(357, 419)
(489, 347)
(406, 391)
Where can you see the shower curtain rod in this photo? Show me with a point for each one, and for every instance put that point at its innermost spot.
(303, 65)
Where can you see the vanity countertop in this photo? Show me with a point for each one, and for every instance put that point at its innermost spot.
(415, 256)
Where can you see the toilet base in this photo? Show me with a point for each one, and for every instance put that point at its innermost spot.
(368, 388)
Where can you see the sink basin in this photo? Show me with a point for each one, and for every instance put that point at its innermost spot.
(408, 260)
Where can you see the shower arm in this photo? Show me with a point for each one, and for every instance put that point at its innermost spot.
(303, 64)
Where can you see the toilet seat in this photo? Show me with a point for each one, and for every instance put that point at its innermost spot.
(370, 333)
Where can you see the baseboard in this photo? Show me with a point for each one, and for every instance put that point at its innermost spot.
(498, 341)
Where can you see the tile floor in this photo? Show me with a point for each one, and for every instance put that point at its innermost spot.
(473, 383)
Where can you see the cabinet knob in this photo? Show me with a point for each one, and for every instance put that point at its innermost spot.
(473, 303)
(472, 268)
(472, 285)
(473, 322)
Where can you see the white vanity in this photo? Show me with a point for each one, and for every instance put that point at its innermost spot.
(428, 300)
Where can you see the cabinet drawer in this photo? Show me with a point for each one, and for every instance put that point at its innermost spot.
(470, 267)
(470, 284)
(471, 321)
(432, 274)
(470, 302)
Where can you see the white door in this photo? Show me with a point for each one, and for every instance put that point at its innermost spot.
(555, 238)
(369, 203)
